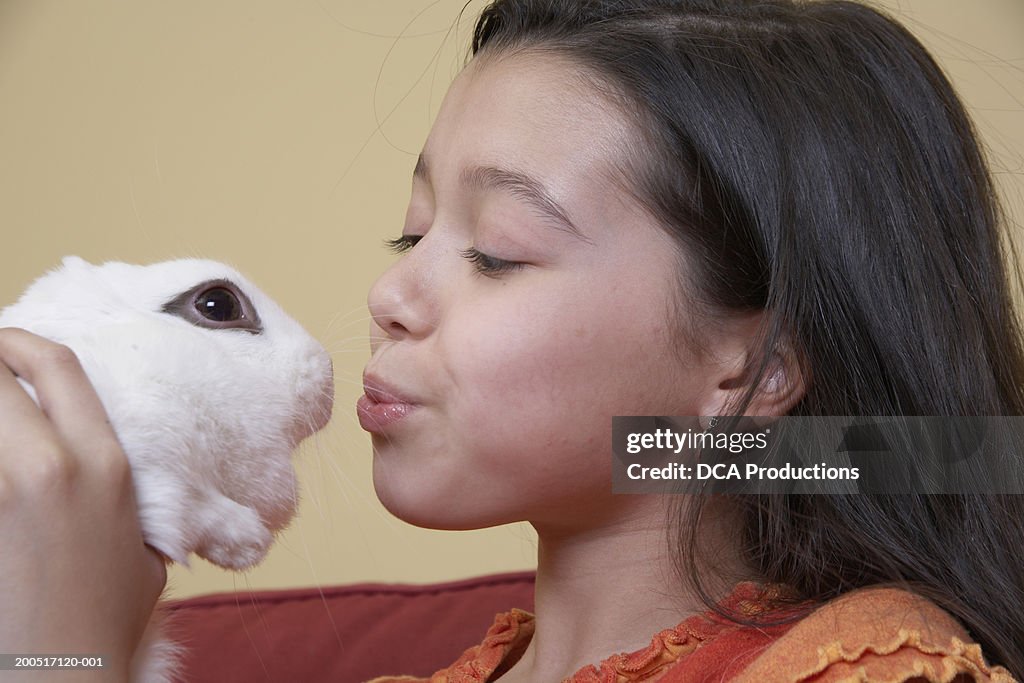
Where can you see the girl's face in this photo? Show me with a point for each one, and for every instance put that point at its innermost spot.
(538, 301)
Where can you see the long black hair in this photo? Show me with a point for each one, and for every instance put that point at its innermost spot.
(815, 163)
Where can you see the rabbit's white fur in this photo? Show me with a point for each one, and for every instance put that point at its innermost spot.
(208, 418)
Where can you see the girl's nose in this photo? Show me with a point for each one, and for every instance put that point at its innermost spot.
(399, 303)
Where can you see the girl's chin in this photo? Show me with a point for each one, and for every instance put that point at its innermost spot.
(442, 513)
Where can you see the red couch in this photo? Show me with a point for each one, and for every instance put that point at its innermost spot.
(342, 634)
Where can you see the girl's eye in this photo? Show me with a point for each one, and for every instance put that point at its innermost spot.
(402, 243)
(488, 265)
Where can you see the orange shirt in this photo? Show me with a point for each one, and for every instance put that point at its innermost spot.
(878, 635)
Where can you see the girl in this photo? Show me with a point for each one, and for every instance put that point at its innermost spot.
(699, 207)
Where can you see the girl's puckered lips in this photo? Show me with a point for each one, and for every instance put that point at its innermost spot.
(381, 405)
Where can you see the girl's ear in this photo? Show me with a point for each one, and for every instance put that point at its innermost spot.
(781, 386)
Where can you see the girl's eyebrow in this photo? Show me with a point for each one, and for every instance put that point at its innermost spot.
(516, 183)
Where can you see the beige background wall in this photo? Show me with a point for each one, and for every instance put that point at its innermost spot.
(280, 136)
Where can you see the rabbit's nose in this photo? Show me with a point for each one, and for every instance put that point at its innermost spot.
(317, 395)
(323, 406)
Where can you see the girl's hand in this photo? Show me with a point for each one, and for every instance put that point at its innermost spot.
(75, 576)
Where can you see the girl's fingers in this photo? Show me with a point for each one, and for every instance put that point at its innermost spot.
(64, 392)
(78, 574)
(20, 413)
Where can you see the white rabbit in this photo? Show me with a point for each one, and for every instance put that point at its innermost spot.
(209, 386)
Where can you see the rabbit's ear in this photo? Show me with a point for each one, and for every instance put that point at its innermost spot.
(70, 262)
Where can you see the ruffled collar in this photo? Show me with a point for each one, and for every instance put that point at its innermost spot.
(511, 632)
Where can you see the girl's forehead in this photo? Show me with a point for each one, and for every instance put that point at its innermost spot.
(530, 109)
(527, 128)
(538, 81)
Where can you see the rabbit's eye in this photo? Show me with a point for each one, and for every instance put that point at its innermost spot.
(219, 304)
(216, 305)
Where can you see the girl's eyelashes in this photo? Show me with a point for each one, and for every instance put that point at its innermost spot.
(488, 265)
(402, 243)
(484, 264)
